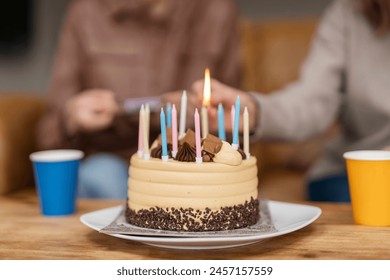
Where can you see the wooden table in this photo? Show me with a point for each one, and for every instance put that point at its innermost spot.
(26, 234)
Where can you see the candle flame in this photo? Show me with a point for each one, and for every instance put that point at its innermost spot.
(206, 88)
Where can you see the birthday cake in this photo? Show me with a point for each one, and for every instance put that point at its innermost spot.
(181, 194)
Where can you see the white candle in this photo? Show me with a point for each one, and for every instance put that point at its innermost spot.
(147, 119)
(183, 114)
(246, 133)
(205, 122)
(140, 152)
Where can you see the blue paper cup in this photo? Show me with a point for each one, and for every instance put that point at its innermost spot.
(56, 174)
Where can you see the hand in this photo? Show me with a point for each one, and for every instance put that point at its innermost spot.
(221, 93)
(91, 110)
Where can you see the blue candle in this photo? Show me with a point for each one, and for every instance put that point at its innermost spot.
(164, 154)
(169, 115)
(221, 123)
(236, 123)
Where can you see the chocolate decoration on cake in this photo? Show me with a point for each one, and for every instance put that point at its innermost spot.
(211, 144)
(207, 157)
(242, 153)
(186, 153)
(156, 152)
(188, 138)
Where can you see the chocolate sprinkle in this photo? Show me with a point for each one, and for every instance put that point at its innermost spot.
(188, 219)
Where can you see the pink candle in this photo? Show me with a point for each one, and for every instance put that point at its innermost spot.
(140, 151)
(174, 131)
(197, 137)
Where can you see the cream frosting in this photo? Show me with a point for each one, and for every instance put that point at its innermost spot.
(228, 155)
(153, 183)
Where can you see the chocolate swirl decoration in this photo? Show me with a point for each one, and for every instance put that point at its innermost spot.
(157, 151)
(186, 153)
(242, 153)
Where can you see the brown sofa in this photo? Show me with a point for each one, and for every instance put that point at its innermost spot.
(272, 54)
(19, 113)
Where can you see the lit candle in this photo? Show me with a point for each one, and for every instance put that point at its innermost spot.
(205, 122)
(145, 134)
(140, 152)
(246, 133)
(147, 119)
(174, 131)
(164, 155)
(197, 137)
(169, 115)
(183, 114)
(232, 120)
(221, 123)
(206, 88)
(236, 124)
(206, 103)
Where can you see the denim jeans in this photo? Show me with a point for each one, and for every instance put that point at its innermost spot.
(334, 188)
(103, 176)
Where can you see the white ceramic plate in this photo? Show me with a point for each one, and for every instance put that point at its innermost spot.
(287, 217)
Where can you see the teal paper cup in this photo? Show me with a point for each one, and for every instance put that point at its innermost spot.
(56, 175)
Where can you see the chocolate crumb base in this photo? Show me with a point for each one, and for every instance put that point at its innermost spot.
(188, 219)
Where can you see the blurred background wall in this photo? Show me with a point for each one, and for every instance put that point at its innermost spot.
(29, 68)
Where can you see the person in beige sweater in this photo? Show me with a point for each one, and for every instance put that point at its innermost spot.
(346, 76)
(113, 52)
